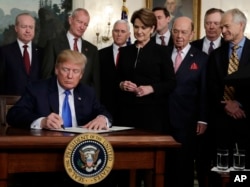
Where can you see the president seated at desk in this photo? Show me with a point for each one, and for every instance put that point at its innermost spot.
(60, 101)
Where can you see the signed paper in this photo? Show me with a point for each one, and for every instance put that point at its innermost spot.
(84, 130)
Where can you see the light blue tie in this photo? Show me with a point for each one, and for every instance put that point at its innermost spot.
(66, 113)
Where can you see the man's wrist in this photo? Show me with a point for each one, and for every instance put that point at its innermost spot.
(107, 120)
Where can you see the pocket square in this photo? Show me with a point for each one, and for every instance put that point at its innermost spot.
(194, 66)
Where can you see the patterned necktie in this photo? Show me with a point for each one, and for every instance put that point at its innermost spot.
(26, 58)
(177, 61)
(232, 67)
(75, 45)
(66, 112)
(162, 40)
(211, 47)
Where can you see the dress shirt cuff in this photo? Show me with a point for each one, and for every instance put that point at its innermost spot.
(36, 124)
(202, 122)
(240, 105)
(108, 123)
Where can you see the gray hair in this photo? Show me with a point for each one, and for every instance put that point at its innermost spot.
(124, 22)
(238, 16)
(74, 13)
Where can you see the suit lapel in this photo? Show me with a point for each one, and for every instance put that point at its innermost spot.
(18, 53)
(187, 61)
(53, 96)
(244, 60)
(78, 99)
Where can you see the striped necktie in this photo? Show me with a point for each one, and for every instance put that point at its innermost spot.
(232, 67)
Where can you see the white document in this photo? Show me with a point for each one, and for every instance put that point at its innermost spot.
(85, 130)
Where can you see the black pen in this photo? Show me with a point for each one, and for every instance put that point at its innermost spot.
(63, 126)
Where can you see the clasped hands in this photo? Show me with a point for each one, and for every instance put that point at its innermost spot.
(139, 91)
(54, 121)
(233, 109)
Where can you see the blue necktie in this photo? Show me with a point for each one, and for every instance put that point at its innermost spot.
(66, 113)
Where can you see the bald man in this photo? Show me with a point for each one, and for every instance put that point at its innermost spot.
(187, 103)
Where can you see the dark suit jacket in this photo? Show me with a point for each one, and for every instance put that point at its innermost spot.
(108, 77)
(170, 42)
(153, 67)
(217, 71)
(41, 99)
(91, 72)
(228, 129)
(187, 103)
(199, 43)
(13, 76)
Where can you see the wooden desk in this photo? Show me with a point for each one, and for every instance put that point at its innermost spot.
(42, 151)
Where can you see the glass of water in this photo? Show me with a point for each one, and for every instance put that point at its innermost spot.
(222, 159)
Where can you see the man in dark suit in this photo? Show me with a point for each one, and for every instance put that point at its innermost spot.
(13, 73)
(204, 150)
(187, 103)
(41, 106)
(109, 57)
(78, 21)
(162, 30)
(212, 30)
(228, 115)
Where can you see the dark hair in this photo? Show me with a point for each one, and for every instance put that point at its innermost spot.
(146, 16)
(165, 11)
(213, 10)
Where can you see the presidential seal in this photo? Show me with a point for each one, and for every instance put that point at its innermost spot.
(88, 158)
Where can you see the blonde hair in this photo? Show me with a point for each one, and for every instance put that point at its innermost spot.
(74, 56)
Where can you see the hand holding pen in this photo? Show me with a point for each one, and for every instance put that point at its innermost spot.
(52, 121)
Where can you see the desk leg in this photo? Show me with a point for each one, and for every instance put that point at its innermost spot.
(3, 169)
(159, 168)
(132, 178)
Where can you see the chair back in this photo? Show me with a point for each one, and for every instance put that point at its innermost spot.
(6, 102)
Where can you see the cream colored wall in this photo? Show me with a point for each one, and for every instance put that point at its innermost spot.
(99, 18)
(243, 5)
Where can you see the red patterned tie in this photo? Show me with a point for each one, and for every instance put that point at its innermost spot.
(75, 45)
(26, 58)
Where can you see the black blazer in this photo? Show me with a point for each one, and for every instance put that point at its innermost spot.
(108, 77)
(170, 42)
(199, 43)
(13, 76)
(217, 71)
(188, 101)
(151, 66)
(91, 72)
(41, 98)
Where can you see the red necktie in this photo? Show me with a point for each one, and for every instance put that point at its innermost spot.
(26, 58)
(117, 57)
(75, 44)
